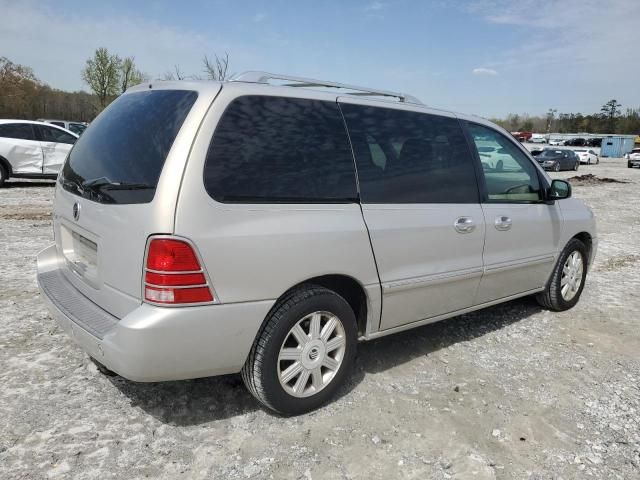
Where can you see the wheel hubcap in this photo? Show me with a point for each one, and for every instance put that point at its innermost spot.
(311, 354)
(571, 276)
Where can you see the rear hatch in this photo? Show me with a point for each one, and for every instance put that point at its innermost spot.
(120, 184)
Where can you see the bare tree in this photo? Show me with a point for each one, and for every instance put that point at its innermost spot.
(217, 68)
(175, 74)
(102, 73)
(129, 74)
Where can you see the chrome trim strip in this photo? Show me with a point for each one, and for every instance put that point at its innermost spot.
(187, 272)
(409, 326)
(176, 287)
(434, 279)
(522, 263)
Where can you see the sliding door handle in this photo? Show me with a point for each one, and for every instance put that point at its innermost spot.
(503, 223)
(464, 225)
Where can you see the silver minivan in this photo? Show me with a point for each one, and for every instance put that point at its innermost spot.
(265, 225)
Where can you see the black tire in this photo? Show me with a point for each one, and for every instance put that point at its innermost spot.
(551, 297)
(557, 167)
(260, 371)
(576, 166)
(4, 175)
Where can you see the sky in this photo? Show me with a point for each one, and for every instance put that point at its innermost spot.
(484, 57)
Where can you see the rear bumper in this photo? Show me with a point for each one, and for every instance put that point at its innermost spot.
(153, 343)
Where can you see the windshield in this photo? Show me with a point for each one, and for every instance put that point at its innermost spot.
(77, 128)
(120, 157)
(550, 154)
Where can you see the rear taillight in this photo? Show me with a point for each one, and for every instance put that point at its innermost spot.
(173, 274)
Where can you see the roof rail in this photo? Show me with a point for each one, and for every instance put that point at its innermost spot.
(301, 82)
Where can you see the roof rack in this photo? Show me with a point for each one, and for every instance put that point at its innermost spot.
(301, 82)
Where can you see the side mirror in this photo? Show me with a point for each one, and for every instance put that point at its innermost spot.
(559, 190)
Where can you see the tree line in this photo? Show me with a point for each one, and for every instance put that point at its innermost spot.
(24, 96)
(610, 119)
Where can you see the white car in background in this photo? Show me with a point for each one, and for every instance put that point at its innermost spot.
(588, 156)
(538, 139)
(633, 158)
(556, 141)
(32, 149)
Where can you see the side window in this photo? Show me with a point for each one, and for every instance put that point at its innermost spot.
(273, 149)
(58, 124)
(21, 131)
(50, 134)
(508, 173)
(410, 157)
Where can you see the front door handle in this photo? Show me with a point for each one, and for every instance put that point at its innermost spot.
(503, 223)
(464, 225)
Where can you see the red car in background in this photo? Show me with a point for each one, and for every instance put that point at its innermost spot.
(522, 136)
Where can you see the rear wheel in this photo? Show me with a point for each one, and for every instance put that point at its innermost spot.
(567, 280)
(576, 166)
(304, 351)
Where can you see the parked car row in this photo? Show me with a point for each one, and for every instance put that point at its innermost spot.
(32, 149)
(568, 142)
(582, 142)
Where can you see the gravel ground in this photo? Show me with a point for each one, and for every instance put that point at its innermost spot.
(512, 391)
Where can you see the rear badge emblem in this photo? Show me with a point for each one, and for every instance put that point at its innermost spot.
(76, 211)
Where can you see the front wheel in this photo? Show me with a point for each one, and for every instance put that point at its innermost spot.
(567, 280)
(557, 167)
(304, 351)
(4, 175)
(577, 165)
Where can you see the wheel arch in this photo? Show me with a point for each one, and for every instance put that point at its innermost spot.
(587, 239)
(348, 288)
(5, 163)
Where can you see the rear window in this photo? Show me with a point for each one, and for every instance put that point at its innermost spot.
(280, 150)
(120, 158)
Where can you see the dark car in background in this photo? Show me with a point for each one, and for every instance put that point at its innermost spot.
(557, 159)
(575, 142)
(594, 142)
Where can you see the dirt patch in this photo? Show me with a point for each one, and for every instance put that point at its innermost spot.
(591, 179)
(621, 261)
(37, 213)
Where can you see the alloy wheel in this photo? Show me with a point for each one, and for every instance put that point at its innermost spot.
(311, 354)
(571, 276)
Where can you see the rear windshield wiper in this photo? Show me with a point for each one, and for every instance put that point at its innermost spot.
(106, 184)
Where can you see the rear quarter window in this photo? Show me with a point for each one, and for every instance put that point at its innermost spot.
(280, 150)
(20, 131)
(128, 143)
